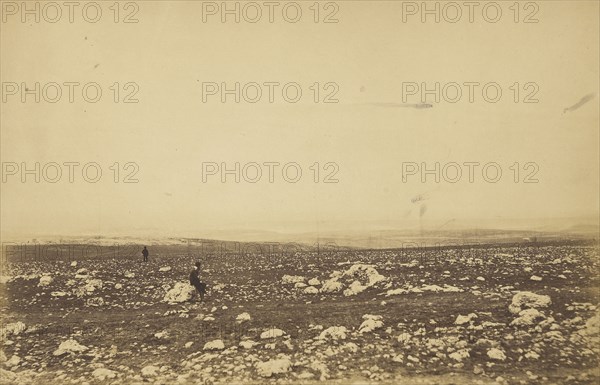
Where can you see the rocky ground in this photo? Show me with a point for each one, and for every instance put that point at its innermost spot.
(496, 314)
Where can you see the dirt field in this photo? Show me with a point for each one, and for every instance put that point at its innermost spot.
(443, 316)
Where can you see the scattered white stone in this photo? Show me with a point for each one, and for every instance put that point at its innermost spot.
(289, 279)
(496, 354)
(214, 345)
(460, 355)
(272, 333)
(535, 278)
(248, 344)
(305, 376)
(276, 366)
(452, 289)
(8, 377)
(319, 366)
(532, 355)
(334, 333)
(14, 361)
(398, 358)
(463, 319)
(413, 359)
(45, 280)
(82, 273)
(244, 317)
(74, 264)
(395, 292)
(162, 335)
(528, 317)
(355, 288)
(103, 374)
(525, 299)
(13, 328)
(165, 269)
(311, 290)
(188, 344)
(96, 301)
(93, 284)
(219, 287)
(314, 282)
(365, 271)
(118, 286)
(150, 371)
(404, 338)
(370, 323)
(331, 286)
(351, 346)
(69, 346)
(591, 327)
(435, 344)
(554, 335)
(436, 289)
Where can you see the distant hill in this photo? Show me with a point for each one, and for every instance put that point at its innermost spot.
(370, 235)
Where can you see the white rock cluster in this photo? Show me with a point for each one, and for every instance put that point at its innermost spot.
(181, 292)
(358, 278)
(528, 300)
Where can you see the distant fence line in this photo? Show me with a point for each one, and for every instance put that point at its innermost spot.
(407, 251)
(29, 252)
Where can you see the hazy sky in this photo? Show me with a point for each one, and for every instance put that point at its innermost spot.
(369, 54)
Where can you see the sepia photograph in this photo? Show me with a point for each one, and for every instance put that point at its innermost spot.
(308, 192)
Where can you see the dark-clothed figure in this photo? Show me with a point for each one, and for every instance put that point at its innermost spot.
(195, 281)
(145, 254)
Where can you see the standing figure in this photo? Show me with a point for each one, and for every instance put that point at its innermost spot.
(195, 281)
(145, 254)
